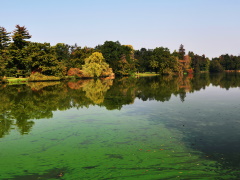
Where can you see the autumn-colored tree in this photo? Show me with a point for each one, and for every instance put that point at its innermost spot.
(75, 72)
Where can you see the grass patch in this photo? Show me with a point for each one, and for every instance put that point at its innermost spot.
(16, 80)
(37, 77)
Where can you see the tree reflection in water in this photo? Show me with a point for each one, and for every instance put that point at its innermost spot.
(21, 104)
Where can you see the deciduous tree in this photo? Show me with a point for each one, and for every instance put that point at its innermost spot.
(95, 65)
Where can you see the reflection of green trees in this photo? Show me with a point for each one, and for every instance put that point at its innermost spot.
(121, 93)
(200, 81)
(6, 120)
(96, 90)
(162, 88)
(21, 104)
(227, 80)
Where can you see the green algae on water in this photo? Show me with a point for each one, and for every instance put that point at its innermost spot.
(117, 147)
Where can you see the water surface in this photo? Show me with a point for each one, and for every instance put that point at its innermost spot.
(145, 128)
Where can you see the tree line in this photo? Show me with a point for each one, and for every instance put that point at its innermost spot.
(21, 57)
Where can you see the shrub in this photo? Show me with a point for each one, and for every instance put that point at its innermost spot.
(75, 72)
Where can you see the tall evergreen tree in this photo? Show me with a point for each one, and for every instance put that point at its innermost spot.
(181, 52)
(20, 35)
(4, 38)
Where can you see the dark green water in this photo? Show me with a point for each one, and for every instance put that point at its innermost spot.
(146, 128)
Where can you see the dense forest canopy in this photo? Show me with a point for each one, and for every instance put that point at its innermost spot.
(21, 57)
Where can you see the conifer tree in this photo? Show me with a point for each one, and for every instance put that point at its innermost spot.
(4, 38)
(20, 34)
(181, 52)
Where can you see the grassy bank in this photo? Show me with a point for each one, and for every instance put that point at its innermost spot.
(16, 80)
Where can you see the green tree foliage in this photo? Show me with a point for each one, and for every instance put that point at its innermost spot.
(164, 61)
(112, 52)
(15, 57)
(144, 58)
(159, 60)
(4, 38)
(95, 65)
(16, 62)
(119, 57)
(62, 52)
(2, 66)
(43, 58)
(199, 63)
(154, 64)
(230, 62)
(20, 36)
(22, 57)
(181, 52)
(127, 64)
(4, 59)
(215, 66)
(176, 54)
(77, 56)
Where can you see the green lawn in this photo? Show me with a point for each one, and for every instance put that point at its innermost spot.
(16, 80)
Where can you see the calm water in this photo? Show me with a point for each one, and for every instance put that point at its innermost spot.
(145, 128)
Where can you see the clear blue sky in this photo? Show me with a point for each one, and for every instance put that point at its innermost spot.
(210, 27)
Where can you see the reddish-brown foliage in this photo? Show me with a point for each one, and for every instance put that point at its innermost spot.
(75, 72)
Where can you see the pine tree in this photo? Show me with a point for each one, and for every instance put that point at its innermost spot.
(20, 34)
(181, 52)
(4, 38)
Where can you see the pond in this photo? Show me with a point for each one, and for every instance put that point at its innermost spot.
(126, 128)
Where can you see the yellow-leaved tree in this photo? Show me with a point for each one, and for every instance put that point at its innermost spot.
(95, 66)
